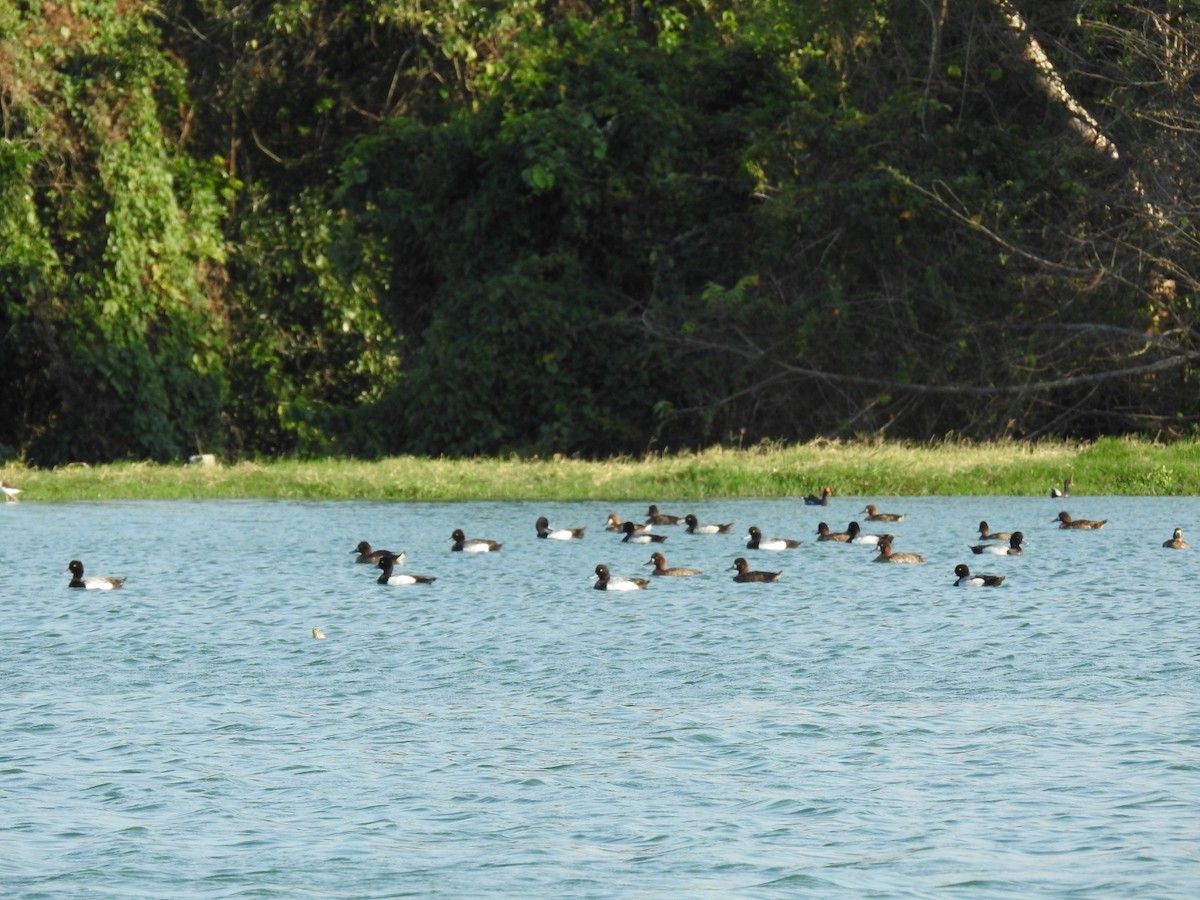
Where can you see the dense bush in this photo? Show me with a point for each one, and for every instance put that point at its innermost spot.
(110, 319)
(313, 227)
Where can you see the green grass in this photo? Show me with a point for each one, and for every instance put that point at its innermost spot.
(1108, 466)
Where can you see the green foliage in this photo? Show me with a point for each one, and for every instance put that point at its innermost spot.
(546, 377)
(312, 344)
(309, 226)
(105, 274)
(939, 259)
(606, 179)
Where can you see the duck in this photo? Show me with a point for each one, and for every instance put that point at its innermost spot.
(472, 545)
(660, 567)
(92, 582)
(396, 579)
(634, 536)
(1012, 548)
(873, 515)
(858, 536)
(1064, 491)
(1065, 521)
(966, 579)
(1176, 542)
(744, 575)
(887, 556)
(755, 541)
(614, 523)
(10, 492)
(824, 534)
(694, 526)
(986, 535)
(823, 500)
(606, 581)
(557, 534)
(367, 555)
(658, 518)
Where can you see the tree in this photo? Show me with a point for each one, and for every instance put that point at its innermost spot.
(523, 240)
(990, 273)
(108, 245)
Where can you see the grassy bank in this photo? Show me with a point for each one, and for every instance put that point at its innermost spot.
(1109, 466)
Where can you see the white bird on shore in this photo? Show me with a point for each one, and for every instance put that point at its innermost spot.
(10, 492)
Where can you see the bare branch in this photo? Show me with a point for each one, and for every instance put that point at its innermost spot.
(749, 350)
(976, 224)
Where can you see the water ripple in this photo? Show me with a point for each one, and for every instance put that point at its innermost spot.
(855, 730)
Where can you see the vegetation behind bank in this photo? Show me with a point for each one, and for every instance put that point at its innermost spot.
(449, 228)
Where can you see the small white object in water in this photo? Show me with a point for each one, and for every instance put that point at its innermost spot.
(318, 634)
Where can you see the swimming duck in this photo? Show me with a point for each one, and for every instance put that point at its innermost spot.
(660, 567)
(755, 541)
(1064, 492)
(985, 535)
(605, 581)
(633, 536)
(1065, 521)
(657, 518)
(887, 556)
(92, 582)
(472, 545)
(10, 492)
(824, 534)
(367, 555)
(744, 574)
(873, 515)
(557, 534)
(694, 526)
(614, 523)
(1012, 548)
(966, 579)
(389, 563)
(858, 536)
(823, 500)
(1176, 542)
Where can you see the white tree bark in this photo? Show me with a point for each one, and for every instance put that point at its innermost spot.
(1081, 120)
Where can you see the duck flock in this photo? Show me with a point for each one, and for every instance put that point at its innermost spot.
(655, 531)
(657, 527)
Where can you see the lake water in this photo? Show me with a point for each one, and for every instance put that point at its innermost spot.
(854, 730)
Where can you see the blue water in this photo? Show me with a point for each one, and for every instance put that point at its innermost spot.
(856, 730)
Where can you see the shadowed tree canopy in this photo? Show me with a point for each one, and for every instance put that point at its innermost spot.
(309, 227)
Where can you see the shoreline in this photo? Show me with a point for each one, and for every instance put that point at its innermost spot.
(1114, 466)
